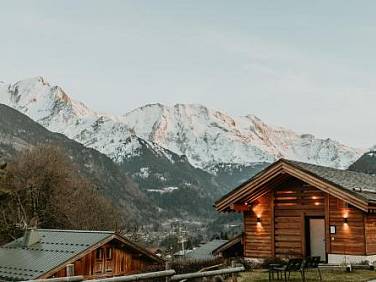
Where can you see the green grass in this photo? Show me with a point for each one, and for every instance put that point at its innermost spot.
(327, 275)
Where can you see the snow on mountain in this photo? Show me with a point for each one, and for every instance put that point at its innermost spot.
(52, 108)
(207, 137)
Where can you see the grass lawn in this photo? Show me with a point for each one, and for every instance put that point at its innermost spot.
(327, 275)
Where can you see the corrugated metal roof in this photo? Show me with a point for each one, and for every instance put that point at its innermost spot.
(205, 251)
(55, 247)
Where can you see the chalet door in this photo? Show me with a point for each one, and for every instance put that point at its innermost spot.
(317, 237)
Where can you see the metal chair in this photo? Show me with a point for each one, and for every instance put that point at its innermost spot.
(293, 265)
(312, 263)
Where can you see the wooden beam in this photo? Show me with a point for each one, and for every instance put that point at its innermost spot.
(328, 236)
(267, 188)
(365, 233)
(326, 187)
(261, 179)
(272, 226)
(240, 207)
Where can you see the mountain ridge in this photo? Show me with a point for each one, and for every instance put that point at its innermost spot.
(206, 137)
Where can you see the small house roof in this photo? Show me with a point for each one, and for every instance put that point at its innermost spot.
(360, 187)
(205, 251)
(54, 249)
(228, 244)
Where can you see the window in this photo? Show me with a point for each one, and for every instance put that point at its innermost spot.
(109, 253)
(99, 254)
(70, 270)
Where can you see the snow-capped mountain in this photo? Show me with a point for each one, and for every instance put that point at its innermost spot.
(210, 137)
(206, 137)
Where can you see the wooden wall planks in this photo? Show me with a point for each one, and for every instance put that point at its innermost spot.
(258, 236)
(281, 232)
(349, 237)
(121, 261)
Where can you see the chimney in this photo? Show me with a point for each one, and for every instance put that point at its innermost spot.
(31, 235)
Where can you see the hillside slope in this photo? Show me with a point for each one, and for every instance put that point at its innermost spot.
(18, 132)
(164, 180)
(366, 163)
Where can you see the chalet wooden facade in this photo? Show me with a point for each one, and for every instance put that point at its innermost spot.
(294, 209)
(111, 259)
(60, 253)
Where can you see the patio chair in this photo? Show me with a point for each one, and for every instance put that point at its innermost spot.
(293, 265)
(312, 263)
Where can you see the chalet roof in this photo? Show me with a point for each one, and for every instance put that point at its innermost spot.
(228, 244)
(55, 248)
(205, 251)
(361, 186)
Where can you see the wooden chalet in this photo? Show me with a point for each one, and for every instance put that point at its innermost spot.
(294, 209)
(46, 253)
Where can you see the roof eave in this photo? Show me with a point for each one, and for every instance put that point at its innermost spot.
(220, 204)
(283, 165)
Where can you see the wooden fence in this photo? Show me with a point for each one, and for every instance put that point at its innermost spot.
(170, 275)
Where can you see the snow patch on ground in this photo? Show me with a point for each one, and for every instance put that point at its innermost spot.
(144, 173)
(163, 190)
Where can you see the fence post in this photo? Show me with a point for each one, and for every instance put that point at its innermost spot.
(234, 275)
(168, 267)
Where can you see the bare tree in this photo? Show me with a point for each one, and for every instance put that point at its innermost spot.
(44, 184)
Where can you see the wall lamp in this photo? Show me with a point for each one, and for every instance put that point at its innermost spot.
(258, 220)
(345, 220)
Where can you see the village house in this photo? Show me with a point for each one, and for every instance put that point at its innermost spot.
(205, 251)
(294, 209)
(47, 253)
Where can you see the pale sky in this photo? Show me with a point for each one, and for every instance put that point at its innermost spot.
(306, 65)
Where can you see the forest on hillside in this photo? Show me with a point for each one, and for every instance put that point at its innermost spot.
(41, 187)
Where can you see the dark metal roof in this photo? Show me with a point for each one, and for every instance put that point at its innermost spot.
(55, 247)
(228, 244)
(205, 251)
(358, 183)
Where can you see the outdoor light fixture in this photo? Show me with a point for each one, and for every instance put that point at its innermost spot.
(345, 220)
(258, 220)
